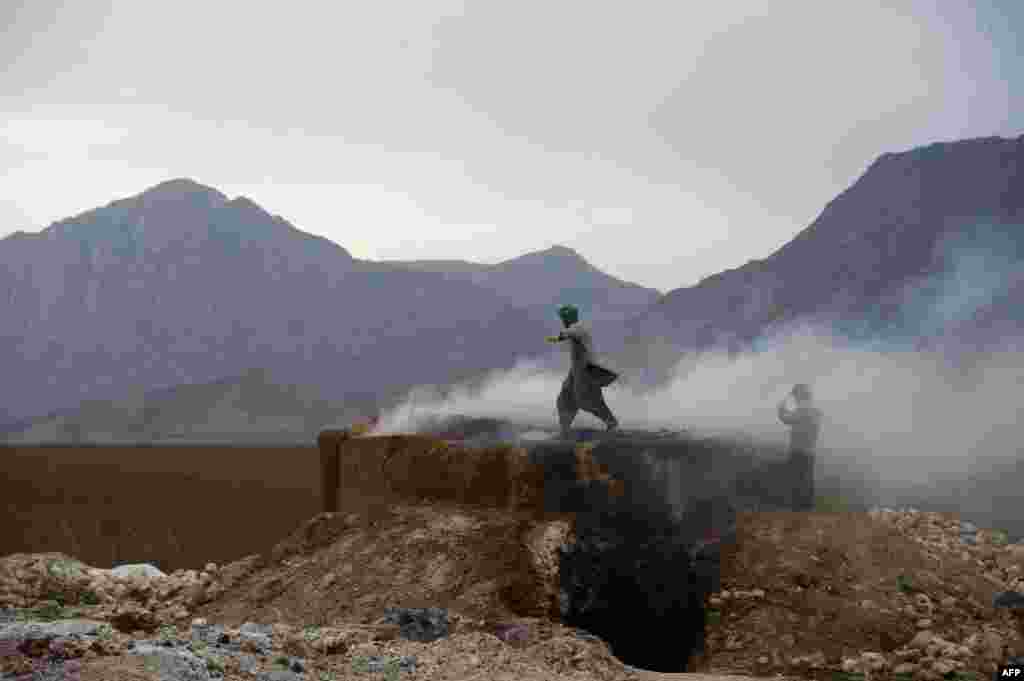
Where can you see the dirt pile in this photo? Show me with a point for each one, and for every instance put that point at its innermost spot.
(804, 596)
(326, 589)
(479, 563)
(890, 592)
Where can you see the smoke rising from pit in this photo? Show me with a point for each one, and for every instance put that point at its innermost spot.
(904, 417)
(907, 416)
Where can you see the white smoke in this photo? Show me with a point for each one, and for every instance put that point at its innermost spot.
(906, 418)
(906, 415)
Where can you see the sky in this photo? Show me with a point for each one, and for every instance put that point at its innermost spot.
(662, 143)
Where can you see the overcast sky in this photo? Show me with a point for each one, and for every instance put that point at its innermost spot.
(662, 141)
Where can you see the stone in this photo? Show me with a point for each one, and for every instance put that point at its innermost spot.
(247, 663)
(419, 624)
(377, 664)
(921, 640)
(873, 661)
(144, 570)
(254, 628)
(210, 634)
(905, 668)
(255, 642)
(924, 623)
(1011, 600)
(279, 675)
(49, 630)
(196, 595)
(171, 663)
(992, 645)
(510, 633)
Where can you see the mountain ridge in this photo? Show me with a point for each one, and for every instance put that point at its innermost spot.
(180, 285)
(866, 263)
(886, 258)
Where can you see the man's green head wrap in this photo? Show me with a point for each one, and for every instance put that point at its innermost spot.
(569, 314)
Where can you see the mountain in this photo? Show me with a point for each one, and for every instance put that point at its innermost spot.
(542, 280)
(926, 247)
(180, 285)
(450, 267)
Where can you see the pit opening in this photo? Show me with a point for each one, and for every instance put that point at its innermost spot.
(641, 566)
(642, 562)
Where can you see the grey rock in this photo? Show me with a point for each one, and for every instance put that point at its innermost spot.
(42, 630)
(1008, 599)
(137, 570)
(968, 527)
(210, 634)
(246, 662)
(376, 663)
(419, 624)
(49, 670)
(173, 664)
(261, 641)
(279, 675)
(255, 628)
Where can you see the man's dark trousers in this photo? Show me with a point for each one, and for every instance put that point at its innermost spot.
(801, 465)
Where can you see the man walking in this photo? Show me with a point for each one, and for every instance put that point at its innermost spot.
(582, 387)
(805, 425)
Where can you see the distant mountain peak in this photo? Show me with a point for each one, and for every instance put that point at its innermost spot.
(556, 252)
(179, 188)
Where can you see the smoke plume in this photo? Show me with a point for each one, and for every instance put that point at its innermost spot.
(906, 415)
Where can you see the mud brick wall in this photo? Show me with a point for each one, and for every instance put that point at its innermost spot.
(366, 473)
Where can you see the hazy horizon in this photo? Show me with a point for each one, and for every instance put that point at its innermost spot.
(663, 145)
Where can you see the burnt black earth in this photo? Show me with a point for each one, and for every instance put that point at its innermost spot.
(639, 570)
(641, 564)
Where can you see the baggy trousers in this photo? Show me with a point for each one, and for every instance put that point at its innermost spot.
(578, 392)
(801, 465)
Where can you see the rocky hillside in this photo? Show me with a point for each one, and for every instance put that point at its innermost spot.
(181, 285)
(544, 279)
(925, 244)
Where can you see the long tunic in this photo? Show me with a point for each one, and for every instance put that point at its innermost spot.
(582, 387)
(805, 426)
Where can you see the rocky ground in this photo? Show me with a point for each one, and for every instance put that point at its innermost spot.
(896, 593)
(890, 594)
